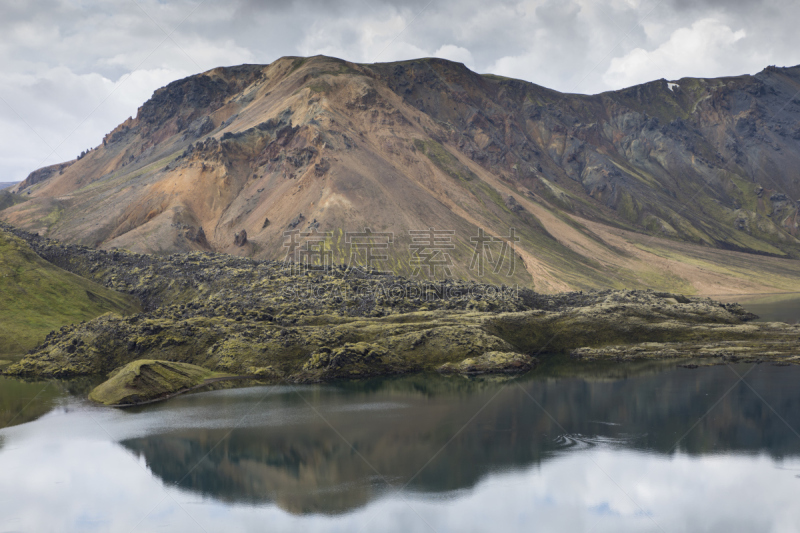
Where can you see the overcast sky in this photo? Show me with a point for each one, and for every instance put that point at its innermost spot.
(71, 70)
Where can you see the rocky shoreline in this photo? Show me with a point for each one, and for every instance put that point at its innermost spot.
(269, 321)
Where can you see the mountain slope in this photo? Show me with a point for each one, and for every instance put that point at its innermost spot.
(37, 297)
(688, 185)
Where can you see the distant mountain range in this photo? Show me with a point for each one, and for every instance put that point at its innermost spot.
(688, 185)
(7, 185)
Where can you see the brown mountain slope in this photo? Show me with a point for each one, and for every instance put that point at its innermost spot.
(688, 186)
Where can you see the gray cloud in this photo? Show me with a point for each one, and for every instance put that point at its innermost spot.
(73, 70)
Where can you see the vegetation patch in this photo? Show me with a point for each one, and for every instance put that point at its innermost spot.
(146, 381)
(491, 363)
(299, 62)
(319, 87)
(446, 161)
(38, 297)
(9, 200)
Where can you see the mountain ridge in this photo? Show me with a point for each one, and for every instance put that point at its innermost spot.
(685, 185)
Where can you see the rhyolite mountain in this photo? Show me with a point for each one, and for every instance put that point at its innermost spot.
(690, 185)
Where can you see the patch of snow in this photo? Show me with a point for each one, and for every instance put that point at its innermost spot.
(672, 86)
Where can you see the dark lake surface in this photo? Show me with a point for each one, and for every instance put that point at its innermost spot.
(637, 447)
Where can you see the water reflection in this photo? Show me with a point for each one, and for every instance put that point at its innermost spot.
(22, 401)
(602, 448)
(310, 466)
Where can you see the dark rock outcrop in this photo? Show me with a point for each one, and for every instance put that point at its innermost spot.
(296, 221)
(43, 174)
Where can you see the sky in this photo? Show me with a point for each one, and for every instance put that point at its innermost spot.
(71, 70)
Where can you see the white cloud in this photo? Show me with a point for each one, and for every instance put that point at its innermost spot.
(71, 54)
(703, 50)
(366, 38)
(52, 115)
(456, 53)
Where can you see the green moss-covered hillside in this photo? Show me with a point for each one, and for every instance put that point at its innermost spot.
(37, 297)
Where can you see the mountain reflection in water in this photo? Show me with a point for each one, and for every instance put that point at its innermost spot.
(617, 448)
(331, 449)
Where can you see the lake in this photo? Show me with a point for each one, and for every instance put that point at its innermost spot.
(590, 447)
(598, 447)
(769, 307)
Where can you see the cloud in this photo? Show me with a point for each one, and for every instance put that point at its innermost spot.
(565, 42)
(455, 53)
(700, 51)
(53, 115)
(584, 46)
(601, 488)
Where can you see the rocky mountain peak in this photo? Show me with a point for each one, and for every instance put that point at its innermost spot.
(594, 187)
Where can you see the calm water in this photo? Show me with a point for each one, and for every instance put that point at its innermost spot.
(769, 308)
(596, 448)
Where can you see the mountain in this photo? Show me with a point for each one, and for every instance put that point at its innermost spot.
(38, 297)
(688, 185)
(7, 185)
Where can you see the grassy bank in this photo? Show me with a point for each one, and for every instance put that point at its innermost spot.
(37, 297)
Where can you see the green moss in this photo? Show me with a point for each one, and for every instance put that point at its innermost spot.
(493, 195)
(319, 87)
(146, 380)
(779, 276)
(637, 173)
(9, 200)
(53, 216)
(627, 207)
(38, 297)
(342, 68)
(491, 363)
(556, 195)
(125, 174)
(497, 77)
(225, 313)
(299, 62)
(444, 160)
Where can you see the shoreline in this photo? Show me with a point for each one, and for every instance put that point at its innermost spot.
(187, 390)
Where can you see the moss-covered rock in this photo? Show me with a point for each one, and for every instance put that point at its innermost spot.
(352, 360)
(237, 316)
(491, 363)
(326, 345)
(145, 381)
